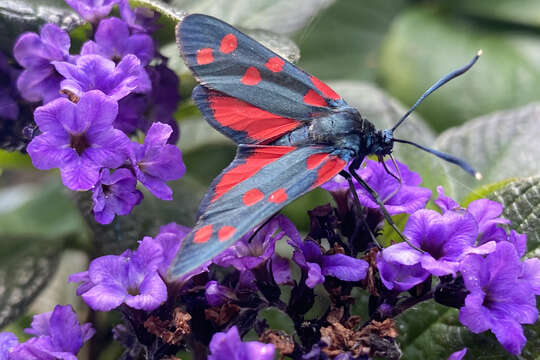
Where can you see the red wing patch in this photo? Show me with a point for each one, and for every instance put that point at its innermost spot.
(259, 125)
(256, 161)
(325, 89)
(278, 196)
(312, 98)
(226, 232)
(203, 234)
(253, 196)
(228, 44)
(275, 64)
(330, 167)
(251, 76)
(205, 56)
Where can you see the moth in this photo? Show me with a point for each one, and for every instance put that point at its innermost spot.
(293, 132)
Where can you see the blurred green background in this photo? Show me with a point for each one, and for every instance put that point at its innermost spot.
(380, 55)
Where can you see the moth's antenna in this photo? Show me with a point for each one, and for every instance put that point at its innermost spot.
(452, 159)
(437, 85)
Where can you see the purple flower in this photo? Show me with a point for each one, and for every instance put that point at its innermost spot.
(156, 162)
(499, 300)
(94, 72)
(308, 255)
(163, 99)
(216, 294)
(113, 41)
(140, 112)
(39, 80)
(78, 139)
(281, 270)
(396, 276)
(519, 241)
(131, 110)
(7, 342)
(169, 239)
(530, 273)
(445, 240)
(445, 203)
(248, 252)
(114, 193)
(139, 20)
(458, 355)
(486, 213)
(58, 336)
(406, 198)
(92, 10)
(131, 278)
(229, 346)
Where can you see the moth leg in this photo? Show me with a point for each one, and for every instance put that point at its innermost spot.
(387, 216)
(347, 176)
(398, 177)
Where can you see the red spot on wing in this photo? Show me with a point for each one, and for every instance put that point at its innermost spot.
(251, 76)
(252, 197)
(330, 168)
(228, 44)
(275, 64)
(325, 89)
(278, 196)
(260, 125)
(204, 56)
(256, 161)
(315, 160)
(225, 233)
(312, 98)
(203, 234)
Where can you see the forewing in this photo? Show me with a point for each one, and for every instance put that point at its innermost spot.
(259, 182)
(225, 59)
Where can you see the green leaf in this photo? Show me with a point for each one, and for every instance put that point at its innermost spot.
(146, 218)
(521, 200)
(342, 42)
(483, 191)
(500, 145)
(278, 16)
(26, 266)
(58, 290)
(431, 331)
(14, 160)
(423, 44)
(44, 210)
(18, 16)
(524, 12)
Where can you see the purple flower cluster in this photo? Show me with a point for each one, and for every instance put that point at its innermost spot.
(135, 278)
(229, 346)
(56, 335)
(94, 100)
(497, 290)
(470, 242)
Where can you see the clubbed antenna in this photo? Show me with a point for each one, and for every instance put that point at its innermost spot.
(437, 85)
